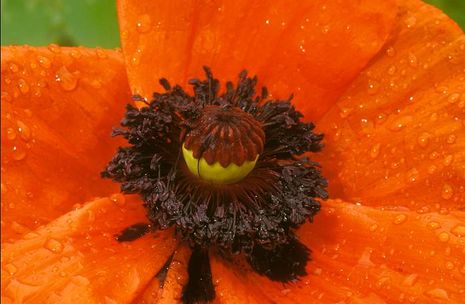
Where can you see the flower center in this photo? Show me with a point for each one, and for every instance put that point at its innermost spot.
(224, 146)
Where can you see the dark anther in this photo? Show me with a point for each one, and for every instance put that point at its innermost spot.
(133, 232)
(199, 288)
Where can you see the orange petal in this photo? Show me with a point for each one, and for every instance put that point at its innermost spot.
(312, 49)
(76, 259)
(232, 285)
(397, 136)
(58, 108)
(367, 255)
(171, 289)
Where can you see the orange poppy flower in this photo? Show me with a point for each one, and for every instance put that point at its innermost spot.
(383, 80)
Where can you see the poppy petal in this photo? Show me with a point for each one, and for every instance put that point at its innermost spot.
(58, 108)
(312, 49)
(76, 258)
(400, 127)
(367, 255)
(168, 289)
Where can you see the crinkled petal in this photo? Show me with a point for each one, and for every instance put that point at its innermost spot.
(397, 136)
(310, 48)
(367, 255)
(76, 258)
(58, 108)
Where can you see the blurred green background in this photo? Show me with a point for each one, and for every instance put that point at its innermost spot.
(94, 23)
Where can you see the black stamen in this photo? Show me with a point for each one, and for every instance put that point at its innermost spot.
(284, 263)
(199, 288)
(133, 232)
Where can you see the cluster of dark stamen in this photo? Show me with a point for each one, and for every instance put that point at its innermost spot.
(256, 216)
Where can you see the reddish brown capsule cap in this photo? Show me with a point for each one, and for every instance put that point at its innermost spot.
(226, 135)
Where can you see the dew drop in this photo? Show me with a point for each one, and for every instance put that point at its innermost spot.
(392, 70)
(10, 269)
(18, 153)
(44, 62)
(399, 123)
(54, 246)
(373, 227)
(118, 199)
(101, 53)
(23, 86)
(10, 134)
(135, 60)
(54, 48)
(437, 294)
(410, 280)
(14, 68)
(443, 237)
(68, 81)
(374, 151)
(144, 24)
(433, 225)
(23, 130)
(412, 60)
(448, 159)
(373, 87)
(423, 139)
(412, 175)
(75, 54)
(451, 139)
(449, 265)
(458, 231)
(399, 219)
(391, 52)
(453, 98)
(447, 192)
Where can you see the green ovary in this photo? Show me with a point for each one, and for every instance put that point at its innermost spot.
(216, 173)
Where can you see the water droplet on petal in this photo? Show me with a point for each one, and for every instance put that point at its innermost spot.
(101, 53)
(399, 123)
(135, 60)
(14, 68)
(118, 199)
(410, 280)
(458, 231)
(374, 151)
(44, 62)
(23, 86)
(433, 225)
(451, 139)
(412, 60)
(373, 87)
(391, 52)
(10, 269)
(399, 219)
(448, 159)
(443, 237)
(10, 134)
(437, 294)
(54, 48)
(423, 139)
(453, 98)
(144, 24)
(412, 175)
(449, 265)
(447, 191)
(68, 81)
(75, 53)
(18, 153)
(23, 130)
(54, 246)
